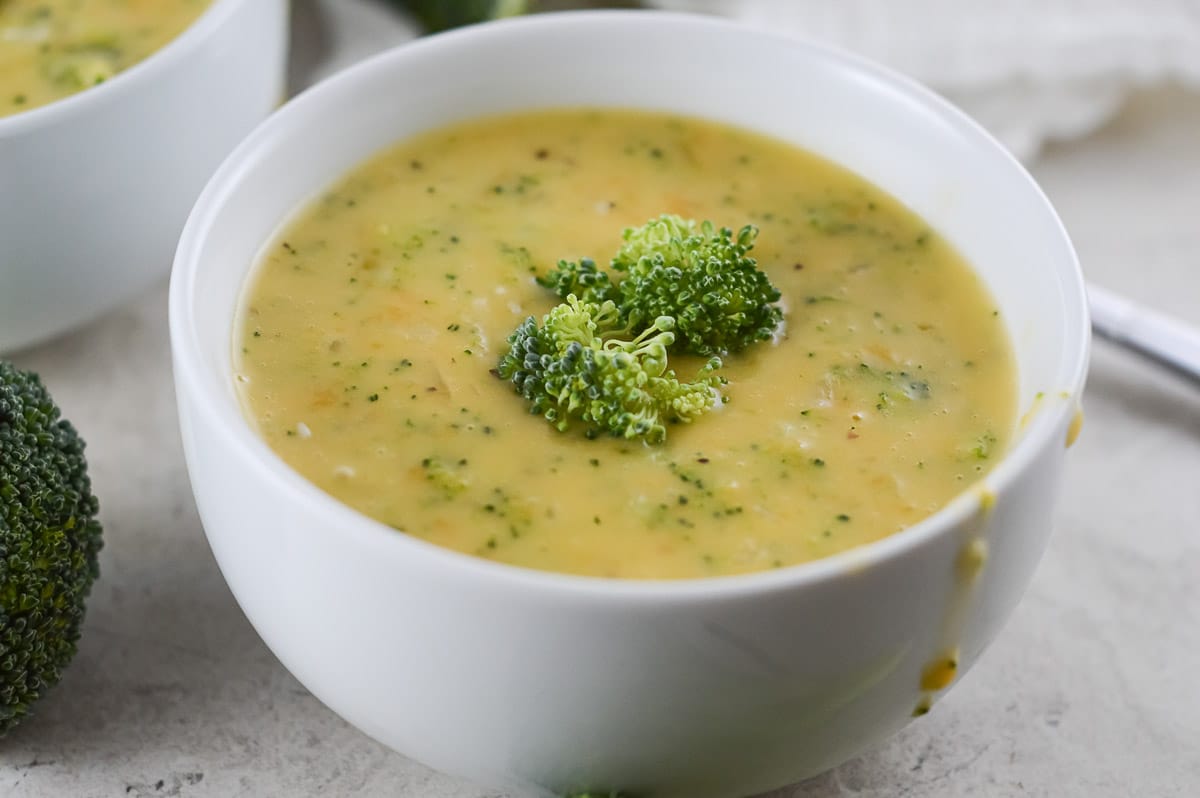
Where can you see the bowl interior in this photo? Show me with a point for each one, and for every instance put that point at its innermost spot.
(891, 131)
(65, 108)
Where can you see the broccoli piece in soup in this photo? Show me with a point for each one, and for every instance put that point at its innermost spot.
(582, 364)
(583, 278)
(697, 274)
(601, 356)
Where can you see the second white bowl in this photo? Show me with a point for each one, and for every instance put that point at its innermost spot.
(95, 188)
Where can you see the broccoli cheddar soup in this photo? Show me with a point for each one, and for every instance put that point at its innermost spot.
(50, 49)
(371, 335)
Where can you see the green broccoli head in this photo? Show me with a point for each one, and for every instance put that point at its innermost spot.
(698, 275)
(702, 276)
(580, 365)
(49, 539)
(601, 356)
(668, 236)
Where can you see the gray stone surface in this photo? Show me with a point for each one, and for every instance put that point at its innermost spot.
(1091, 691)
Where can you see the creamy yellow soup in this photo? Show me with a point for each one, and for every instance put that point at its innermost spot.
(369, 334)
(50, 49)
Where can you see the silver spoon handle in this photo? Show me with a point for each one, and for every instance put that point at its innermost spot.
(1161, 337)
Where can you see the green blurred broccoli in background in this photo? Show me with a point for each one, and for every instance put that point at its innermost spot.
(436, 15)
(49, 539)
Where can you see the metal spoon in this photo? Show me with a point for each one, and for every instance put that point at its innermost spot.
(1165, 339)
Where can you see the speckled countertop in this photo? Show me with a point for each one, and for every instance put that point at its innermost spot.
(1091, 691)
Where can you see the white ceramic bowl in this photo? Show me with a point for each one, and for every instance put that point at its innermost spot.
(95, 188)
(546, 683)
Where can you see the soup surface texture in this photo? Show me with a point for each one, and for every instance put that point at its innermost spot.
(369, 332)
(50, 49)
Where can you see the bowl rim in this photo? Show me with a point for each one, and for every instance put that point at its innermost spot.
(125, 81)
(241, 441)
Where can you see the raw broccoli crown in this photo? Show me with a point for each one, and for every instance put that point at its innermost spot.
(578, 366)
(700, 275)
(49, 539)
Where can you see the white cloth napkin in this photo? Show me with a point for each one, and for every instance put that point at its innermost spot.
(1029, 70)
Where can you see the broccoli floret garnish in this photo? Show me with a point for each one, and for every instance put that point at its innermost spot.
(699, 275)
(601, 356)
(583, 279)
(580, 365)
(49, 538)
(721, 301)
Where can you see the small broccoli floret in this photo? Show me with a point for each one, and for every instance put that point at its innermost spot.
(447, 476)
(661, 236)
(583, 279)
(698, 275)
(579, 365)
(702, 276)
(49, 538)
